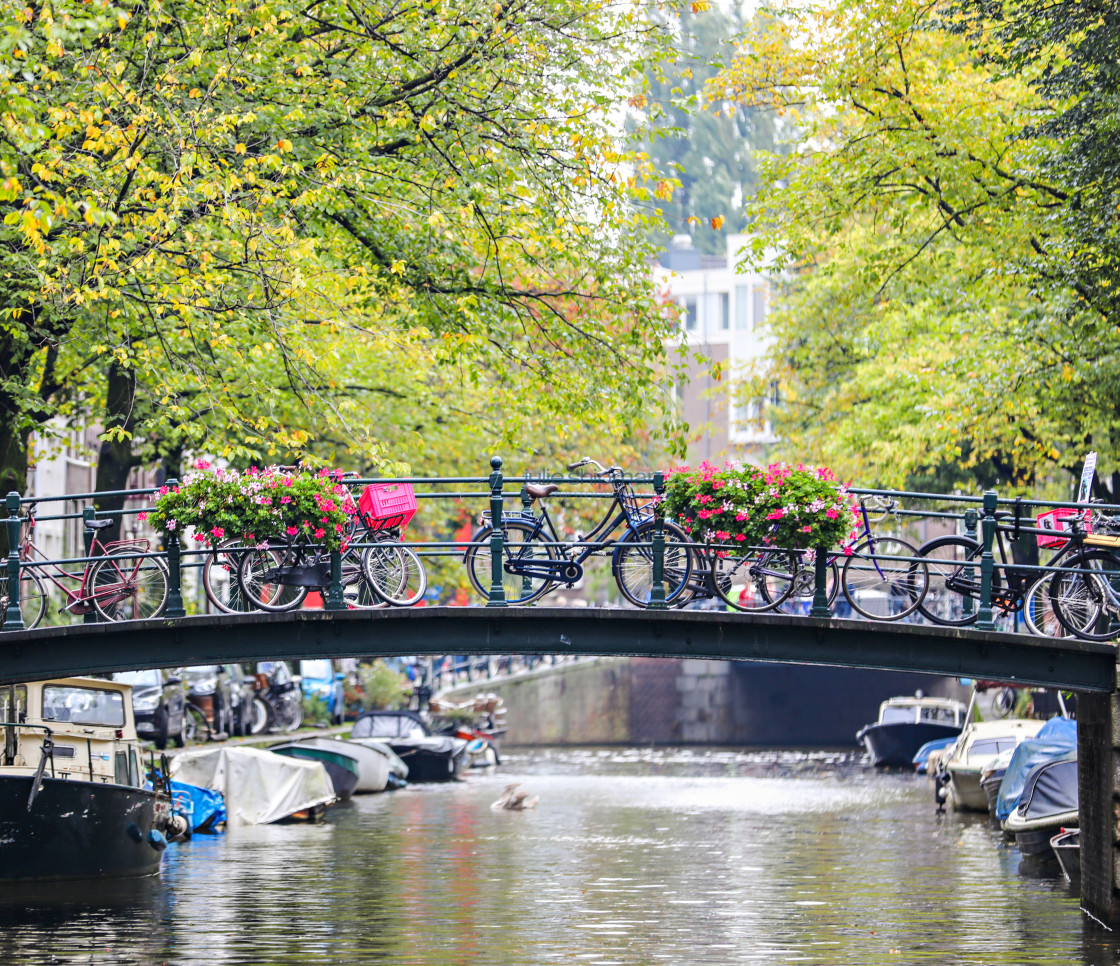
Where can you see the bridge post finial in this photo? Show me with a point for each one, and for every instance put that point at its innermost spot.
(657, 591)
(13, 616)
(984, 618)
(175, 606)
(820, 606)
(497, 536)
(335, 597)
(89, 514)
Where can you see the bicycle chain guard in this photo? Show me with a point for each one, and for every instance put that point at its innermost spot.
(564, 571)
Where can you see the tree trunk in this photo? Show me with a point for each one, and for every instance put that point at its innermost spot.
(114, 461)
(13, 466)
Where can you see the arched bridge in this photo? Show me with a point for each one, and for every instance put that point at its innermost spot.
(85, 648)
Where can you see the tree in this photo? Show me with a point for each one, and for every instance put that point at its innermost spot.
(916, 329)
(230, 222)
(707, 149)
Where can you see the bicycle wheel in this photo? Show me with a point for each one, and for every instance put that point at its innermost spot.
(633, 565)
(953, 585)
(792, 582)
(739, 577)
(1038, 610)
(524, 547)
(356, 590)
(881, 589)
(32, 597)
(395, 573)
(126, 587)
(219, 578)
(257, 578)
(1082, 601)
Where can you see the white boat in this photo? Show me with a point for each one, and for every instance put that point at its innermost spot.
(979, 744)
(260, 787)
(905, 724)
(72, 773)
(377, 765)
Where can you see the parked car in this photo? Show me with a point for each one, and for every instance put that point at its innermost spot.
(210, 693)
(319, 679)
(159, 702)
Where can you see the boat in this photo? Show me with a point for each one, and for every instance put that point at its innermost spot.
(260, 787)
(924, 755)
(907, 723)
(430, 758)
(1048, 804)
(378, 767)
(1057, 739)
(1067, 847)
(991, 775)
(73, 801)
(341, 763)
(979, 743)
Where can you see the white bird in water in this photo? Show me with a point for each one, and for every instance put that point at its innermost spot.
(515, 801)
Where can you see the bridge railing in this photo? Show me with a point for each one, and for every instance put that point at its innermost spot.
(478, 514)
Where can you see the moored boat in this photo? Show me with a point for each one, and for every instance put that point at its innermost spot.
(1048, 804)
(1067, 847)
(378, 767)
(977, 746)
(341, 763)
(907, 723)
(430, 758)
(72, 799)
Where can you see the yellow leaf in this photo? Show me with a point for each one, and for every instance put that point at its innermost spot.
(239, 148)
(283, 145)
(397, 267)
(717, 222)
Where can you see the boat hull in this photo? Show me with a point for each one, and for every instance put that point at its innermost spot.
(76, 830)
(965, 793)
(431, 764)
(895, 744)
(1067, 847)
(1033, 836)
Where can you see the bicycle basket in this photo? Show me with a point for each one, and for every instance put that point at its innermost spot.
(138, 545)
(628, 500)
(1060, 518)
(386, 505)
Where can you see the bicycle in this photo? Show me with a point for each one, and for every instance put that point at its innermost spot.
(1086, 603)
(119, 585)
(536, 561)
(879, 577)
(954, 592)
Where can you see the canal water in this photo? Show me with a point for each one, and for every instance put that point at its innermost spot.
(632, 857)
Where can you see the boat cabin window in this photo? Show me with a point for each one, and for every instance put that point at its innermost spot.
(387, 726)
(120, 770)
(13, 703)
(87, 706)
(993, 746)
(898, 715)
(943, 715)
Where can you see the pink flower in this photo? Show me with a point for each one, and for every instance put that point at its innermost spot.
(740, 537)
(285, 499)
(217, 533)
(775, 514)
(338, 528)
(202, 465)
(142, 515)
(806, 529)
(740, 517)
(171, 524)
(831, 513)
(163, 491)
(847, 550)
(292, 531)
(722, 535)
(320, 533)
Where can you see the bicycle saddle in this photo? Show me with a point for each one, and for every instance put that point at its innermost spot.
(98, 524)
(538, 491)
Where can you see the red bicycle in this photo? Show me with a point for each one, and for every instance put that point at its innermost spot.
(120, 585)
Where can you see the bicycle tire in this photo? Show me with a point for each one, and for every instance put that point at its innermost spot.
(884, 590)
(32, 597)
(953, 564)
(632, 566)
(128, 587)
(395, 573)
(219, 579)
(356, 590)
(793, 583)
(1079, 600)
(526, 546)
(738, 577)
(1038, 610)
(266, 595)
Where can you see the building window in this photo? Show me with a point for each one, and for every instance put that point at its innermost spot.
(725, 311)
(759, 305)
(691, 313)
(742, 307)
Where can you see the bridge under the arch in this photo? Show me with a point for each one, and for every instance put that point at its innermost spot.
(88, 648)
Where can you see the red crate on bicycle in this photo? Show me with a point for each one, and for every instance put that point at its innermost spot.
(386, 505)
(1060, 518)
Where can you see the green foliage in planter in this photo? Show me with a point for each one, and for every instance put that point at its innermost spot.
(743, 505)
(382, 688)
(258, 505)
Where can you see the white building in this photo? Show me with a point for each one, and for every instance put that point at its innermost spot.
(722, 312)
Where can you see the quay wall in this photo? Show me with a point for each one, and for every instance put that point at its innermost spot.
(645, 700)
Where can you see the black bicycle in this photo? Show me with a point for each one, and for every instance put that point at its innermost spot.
(535, 560)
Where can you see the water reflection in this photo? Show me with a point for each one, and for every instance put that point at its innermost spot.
(634, 857)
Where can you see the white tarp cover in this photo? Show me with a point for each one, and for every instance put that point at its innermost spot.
(259, 786)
